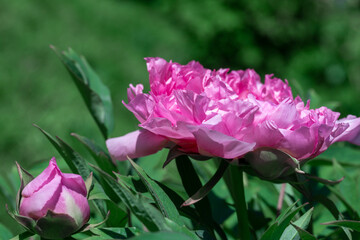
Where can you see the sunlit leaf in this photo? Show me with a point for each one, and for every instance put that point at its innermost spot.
(291, 233)
(95, 94)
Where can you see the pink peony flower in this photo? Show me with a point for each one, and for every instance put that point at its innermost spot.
(226, 114)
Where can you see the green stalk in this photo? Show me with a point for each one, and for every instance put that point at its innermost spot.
(234, 180)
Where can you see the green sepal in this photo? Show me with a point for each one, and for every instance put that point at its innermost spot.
(25, 178)
(88, 227)
(56, 225)
(26, 222)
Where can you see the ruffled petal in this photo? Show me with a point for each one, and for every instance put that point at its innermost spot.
(213, 143)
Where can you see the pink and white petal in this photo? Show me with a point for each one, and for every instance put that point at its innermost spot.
(352, 133)
(42, 200)
(213, 143)
(135, 144)
(73, 204)
(75, 183)
(46, 176)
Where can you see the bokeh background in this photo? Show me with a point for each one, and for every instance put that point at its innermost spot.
(315, 45)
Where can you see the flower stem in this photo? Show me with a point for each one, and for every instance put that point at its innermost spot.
(235, 183)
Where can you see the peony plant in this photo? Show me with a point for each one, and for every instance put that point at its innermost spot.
(244, 124)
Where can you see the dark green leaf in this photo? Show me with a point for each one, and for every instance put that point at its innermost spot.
(75, 162)
(162, 236)
(23, 236)
(144, 211)
(203, 191)
(192, 184)
(330, 205)
(101, 157)
(162, 200)
(303, 234)
(115, 233)
(95, 94)
(354, 225)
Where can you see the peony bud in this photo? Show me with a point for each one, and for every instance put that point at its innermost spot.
(54, 204)
(271, 164)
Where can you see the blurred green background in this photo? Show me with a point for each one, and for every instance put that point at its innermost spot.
(313, 44)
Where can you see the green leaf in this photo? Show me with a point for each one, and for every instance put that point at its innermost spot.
(330, 205)
(346, 156)
(115, 233)
(23, 236)
(203, 191)
(4, 232)
(75, 162)
(192, 184)
(134, 183)
(291, 232)
(303, 234)
(276, 229)
(144, 211)
(118, 214)
(354, 225)
(174, 226)
(162, 200)
(162, 235)
(101, 157)
(95, 94)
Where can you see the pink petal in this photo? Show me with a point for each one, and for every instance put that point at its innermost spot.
(46, 176)
(142, 106)
(40, 201)
(164, 127)
(192, 105)
(213, 143)
(134, 91)
(135, 144)
(352, 133)
(75, 183)
(299, 144)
